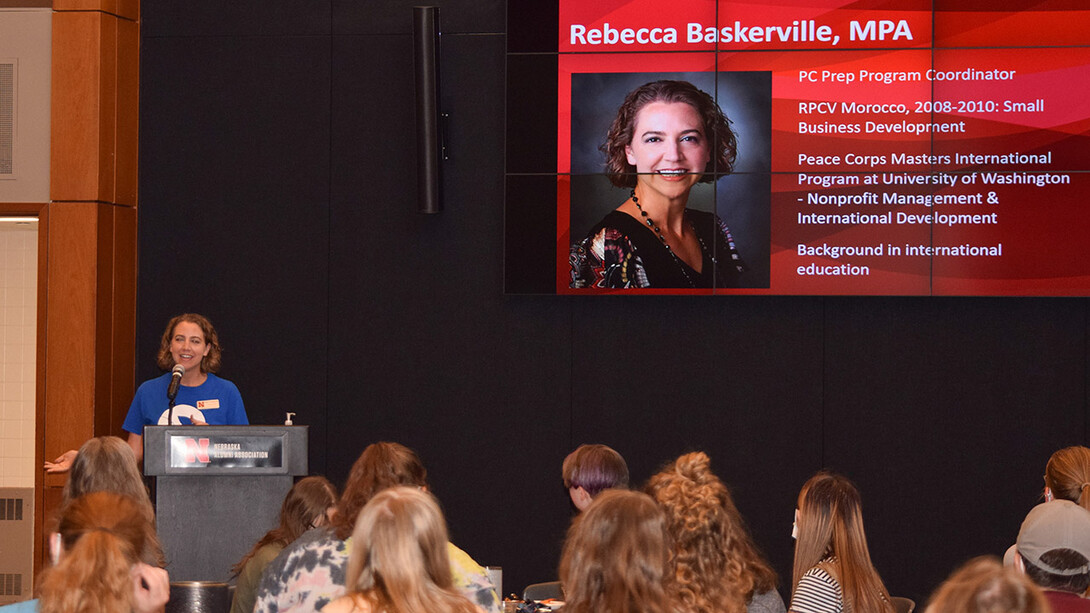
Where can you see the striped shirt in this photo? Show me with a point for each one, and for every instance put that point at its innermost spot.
(818, 592)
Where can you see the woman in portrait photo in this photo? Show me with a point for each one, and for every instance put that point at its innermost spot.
(667, 136)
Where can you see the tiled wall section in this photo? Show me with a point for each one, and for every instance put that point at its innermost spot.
(18, 313)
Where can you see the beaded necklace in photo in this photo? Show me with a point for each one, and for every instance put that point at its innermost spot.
(680, 264)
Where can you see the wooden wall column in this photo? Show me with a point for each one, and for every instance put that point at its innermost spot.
(87, 295)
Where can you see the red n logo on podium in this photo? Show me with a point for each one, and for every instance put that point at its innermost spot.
(196, 450)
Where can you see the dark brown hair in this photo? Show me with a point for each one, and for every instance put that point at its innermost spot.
(210, 362)
(306, 503)
(594, 468)
(380, 466)
(721, 139)
(1061, 559)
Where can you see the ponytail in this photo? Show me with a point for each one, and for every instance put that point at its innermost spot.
(103, 534)
(1067, 474)
(92, 576)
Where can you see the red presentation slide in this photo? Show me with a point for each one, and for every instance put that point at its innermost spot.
(873, 148)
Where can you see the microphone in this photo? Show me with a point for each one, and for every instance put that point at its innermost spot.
(175, 381)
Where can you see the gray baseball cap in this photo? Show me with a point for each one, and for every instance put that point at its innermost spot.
(1059, 524)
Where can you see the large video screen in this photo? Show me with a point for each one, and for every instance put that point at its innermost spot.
(789, 147)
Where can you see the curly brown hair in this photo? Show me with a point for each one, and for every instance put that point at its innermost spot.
(211, 362)
(719, 567)
(724, 144)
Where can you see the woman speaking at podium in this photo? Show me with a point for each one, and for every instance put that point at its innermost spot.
(190, 352)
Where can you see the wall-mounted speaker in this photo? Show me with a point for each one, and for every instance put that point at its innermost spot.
(429, 146)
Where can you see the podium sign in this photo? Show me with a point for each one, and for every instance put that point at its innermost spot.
(226, 451)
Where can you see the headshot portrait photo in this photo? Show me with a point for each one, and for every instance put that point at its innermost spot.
(738, 199)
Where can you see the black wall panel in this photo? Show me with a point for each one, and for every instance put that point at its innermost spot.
(739, 379)
(233, 215)
(238, 18)
(945, 412)
(278, 196)
(395, 16)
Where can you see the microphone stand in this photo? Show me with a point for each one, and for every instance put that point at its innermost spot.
(170, 411)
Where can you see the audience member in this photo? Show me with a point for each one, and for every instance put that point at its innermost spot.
(107, 464)
(1067, 476)
(96, 561)
(617, 557)
(718, 567)
(399, 561)
(310, 572)
(983, 585)
(308, 505)
(833, 569)
(589, 470)
(1054, 551)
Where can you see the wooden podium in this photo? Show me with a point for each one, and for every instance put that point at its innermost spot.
(218, 489)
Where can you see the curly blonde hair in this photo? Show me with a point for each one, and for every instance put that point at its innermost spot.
(719, 568)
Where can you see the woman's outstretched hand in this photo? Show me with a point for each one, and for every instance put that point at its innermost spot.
(61, 464)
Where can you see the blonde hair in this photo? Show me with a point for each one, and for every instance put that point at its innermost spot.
(718, 567)
(107, 464)
(1067, 474)
(617, 557)
(103, 534)
(399, 561)
(983, 585)
(831, 524)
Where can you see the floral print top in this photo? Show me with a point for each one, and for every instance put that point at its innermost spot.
(310, 573)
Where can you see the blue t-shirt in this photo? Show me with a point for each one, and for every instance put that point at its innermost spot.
(27, 606)
(216, 401)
